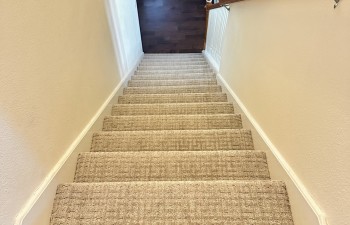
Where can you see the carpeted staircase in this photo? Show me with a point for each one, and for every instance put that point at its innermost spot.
(173, 152)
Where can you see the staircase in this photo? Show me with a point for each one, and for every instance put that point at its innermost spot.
(173, 152)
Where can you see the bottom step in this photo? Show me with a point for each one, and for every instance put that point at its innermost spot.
(199, 202)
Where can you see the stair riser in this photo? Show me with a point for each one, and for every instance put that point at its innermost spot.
(174, 122)
(185, 140)
(174, 77)
(163, 72)
(172, 98)
(171, 109)
(174, 67)
(174, 59)
(188, 56)
(142, 83)
(171, 166)
(172, 89)
(178, 60)
(172, 63)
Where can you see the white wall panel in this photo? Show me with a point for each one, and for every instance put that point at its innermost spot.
(216, 31)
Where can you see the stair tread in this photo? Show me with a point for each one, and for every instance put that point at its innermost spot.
(180, 71)
(172, 98)
(173, 55)
(174, 77)
(187, 82)
(173, 108)
(175, 72)
(177, 202)
(171, 67)
(172, 122)
(171, 166)
(166, 60)
(173, 63)
(172, 140)
(173, 89)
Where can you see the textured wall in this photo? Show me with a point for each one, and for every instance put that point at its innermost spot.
(57, 68)
(288, 61)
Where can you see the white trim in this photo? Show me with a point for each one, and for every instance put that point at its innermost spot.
(42, 187)
(119, 51)
(292, 175)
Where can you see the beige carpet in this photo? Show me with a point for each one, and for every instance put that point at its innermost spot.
(172, 152)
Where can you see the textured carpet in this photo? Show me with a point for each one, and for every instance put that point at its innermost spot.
(194, 202)
(168, 60)
(171, 166)
(173, 140)
(180, 70)
(173, 109)
(136, 83)
(173, 151)
(172, 98)
(172, 67)
(174, 77)
(174, 63)
(173, 89)
(172, 122)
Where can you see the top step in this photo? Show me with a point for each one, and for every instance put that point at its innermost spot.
(170, 67)
(172, 63)
(166, 59)
(179, 55)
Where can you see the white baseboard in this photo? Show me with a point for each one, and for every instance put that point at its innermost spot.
(276, 153)
(60, 164)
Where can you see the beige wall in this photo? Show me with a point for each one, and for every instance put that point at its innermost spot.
(57, 68)
(289, 64)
